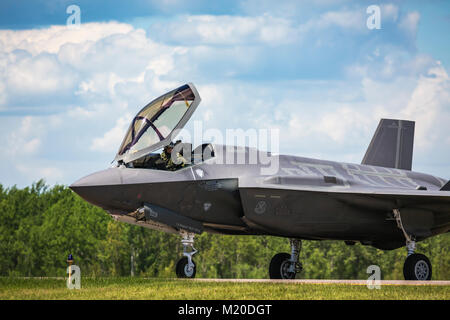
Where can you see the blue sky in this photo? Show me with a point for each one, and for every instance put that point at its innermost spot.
(309, 68)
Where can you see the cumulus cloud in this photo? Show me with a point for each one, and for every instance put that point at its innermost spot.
(429, 106)
(36, 41)
(390, 11)
(249, 30)
(226, 30)
(41, 74)
(410, 23)
(26, 139)
(110, 141)
(256, 71)
(344, 19)
(34, 172)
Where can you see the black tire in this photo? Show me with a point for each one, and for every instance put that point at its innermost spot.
(417, 267)
(182, 270)
(280, 261)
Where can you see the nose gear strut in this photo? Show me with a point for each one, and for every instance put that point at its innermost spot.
(186, 267)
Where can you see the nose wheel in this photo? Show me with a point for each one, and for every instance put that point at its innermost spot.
(186, 267)
(184, 270)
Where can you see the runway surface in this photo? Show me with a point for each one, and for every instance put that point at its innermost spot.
(313, 281)
(298, 281)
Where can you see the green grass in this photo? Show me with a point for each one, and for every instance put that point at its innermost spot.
(172, 289)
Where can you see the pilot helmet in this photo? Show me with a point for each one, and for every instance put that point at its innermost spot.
(169, 146)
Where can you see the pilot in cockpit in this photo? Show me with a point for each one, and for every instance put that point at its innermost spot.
(166, 156)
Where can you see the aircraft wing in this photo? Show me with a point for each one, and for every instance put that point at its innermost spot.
(264, 183)
(428, 209)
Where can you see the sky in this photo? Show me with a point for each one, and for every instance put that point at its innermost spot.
(311, 69)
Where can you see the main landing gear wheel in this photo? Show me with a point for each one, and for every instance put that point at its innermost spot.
(184, 270)
(417, 267)
(285, 265)
(280, 267)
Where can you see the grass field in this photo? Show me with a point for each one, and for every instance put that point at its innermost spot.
(172, 289)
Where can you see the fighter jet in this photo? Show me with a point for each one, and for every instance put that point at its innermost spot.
(380, 202)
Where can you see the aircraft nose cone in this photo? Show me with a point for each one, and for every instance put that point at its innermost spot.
(96, 188)
(105, 177)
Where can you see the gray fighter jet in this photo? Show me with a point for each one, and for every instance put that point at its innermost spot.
(379, 202)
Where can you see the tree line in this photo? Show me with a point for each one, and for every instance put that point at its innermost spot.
(40, 226)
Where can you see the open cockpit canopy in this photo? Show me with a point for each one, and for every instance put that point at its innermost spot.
(158, 122)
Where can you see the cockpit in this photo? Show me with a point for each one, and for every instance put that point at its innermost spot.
(154, 128)
(190, 157)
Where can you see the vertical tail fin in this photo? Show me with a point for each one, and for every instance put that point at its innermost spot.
(446, 187)
(392, 145)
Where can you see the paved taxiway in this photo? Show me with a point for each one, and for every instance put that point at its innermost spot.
(313, 281)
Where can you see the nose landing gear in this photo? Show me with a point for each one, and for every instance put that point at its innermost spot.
(186, 267)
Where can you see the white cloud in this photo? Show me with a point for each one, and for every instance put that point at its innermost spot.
(26, 139)
(429, 106)
(31, 146)
(389, 11)
(34, 173)
(110, 141)
(226, 30)
(36, 41)
(42, 74)
(409, 23)
(343, 124)
(2, 94)
(354, 19)
(264, 29)
(247, 70)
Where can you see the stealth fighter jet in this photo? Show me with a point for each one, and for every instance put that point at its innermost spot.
(380, 202)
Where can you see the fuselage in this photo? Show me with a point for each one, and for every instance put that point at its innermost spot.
(217, 195)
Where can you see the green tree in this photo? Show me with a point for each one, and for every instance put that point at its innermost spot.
(40, 226)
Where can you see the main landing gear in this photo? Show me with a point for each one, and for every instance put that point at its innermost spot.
(285, 265)
(186, 266)
(417, 266)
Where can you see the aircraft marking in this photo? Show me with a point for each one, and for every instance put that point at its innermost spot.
(260, 207)
(200, 172)
(387, 177)
(320, 170)
(365, 175)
